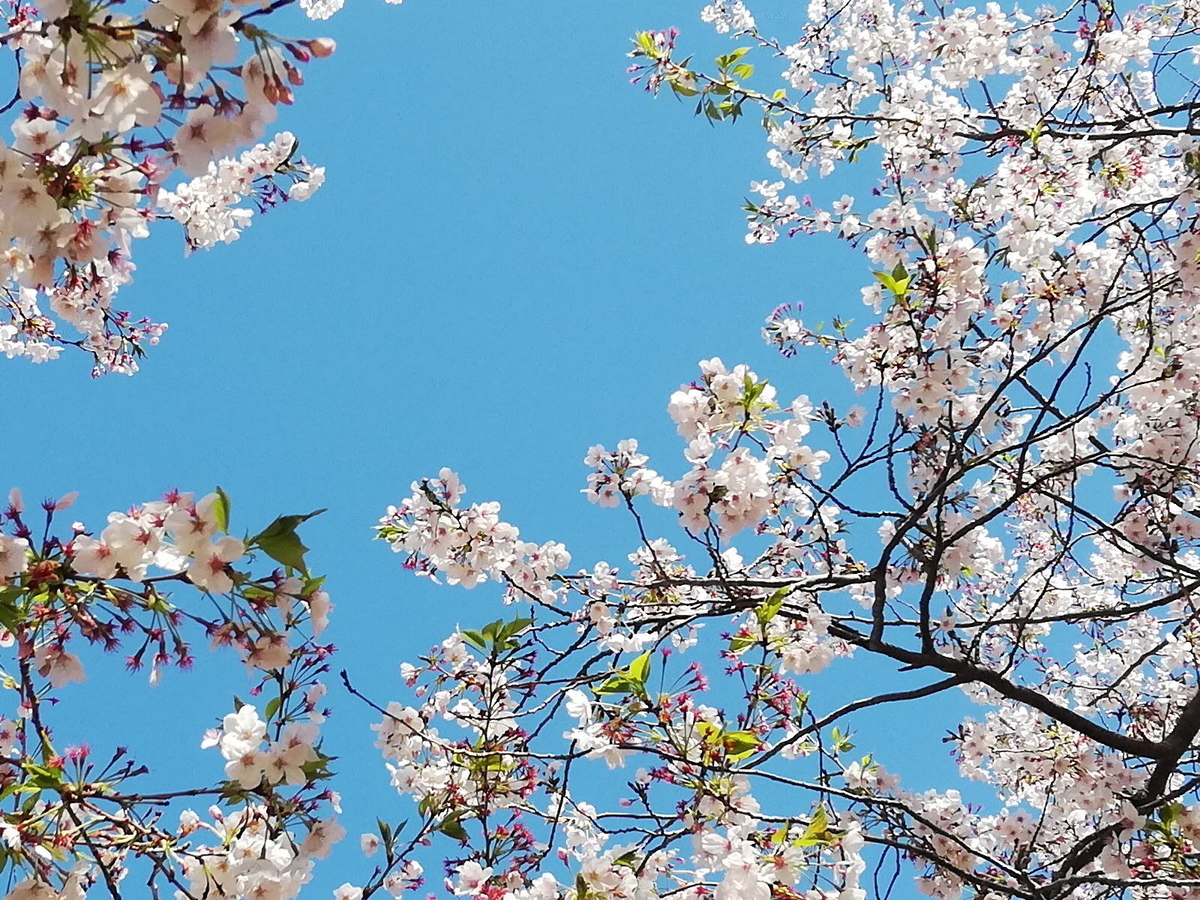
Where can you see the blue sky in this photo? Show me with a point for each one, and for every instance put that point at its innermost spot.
(516, 255)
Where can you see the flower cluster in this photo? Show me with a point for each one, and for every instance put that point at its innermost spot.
(113, 100)
(205, 206)
(469, 546)
(250, 857)
(78, 819)
(285, 761)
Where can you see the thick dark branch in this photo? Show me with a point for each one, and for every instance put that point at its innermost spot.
(895, 697)
(970, 672)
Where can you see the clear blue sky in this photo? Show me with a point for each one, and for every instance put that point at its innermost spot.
(516, 255)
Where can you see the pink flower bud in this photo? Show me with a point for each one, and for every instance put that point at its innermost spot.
(322, 47)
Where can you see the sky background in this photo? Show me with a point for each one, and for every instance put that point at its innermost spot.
(516, 255)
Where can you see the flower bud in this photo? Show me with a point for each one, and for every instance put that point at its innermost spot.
(322, 47)
(298, 52)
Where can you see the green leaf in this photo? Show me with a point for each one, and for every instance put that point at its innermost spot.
(751, 390)
(639, 669)
(272, 707)
(498, 635)
(515, 627)
(506, 632)
(618, 684)
(818, 828)
(729, 59)
(740, 643)
(630, 680)
(628, 859)
(581, 888)
(316, 769)
(221, 509)
(841, 741)
(452, 827)
(280, 541)
(494, 762)
(475, 638)
(11, 616)
(1170, 814)
(770, 607)
(44, 777)
(896, 282)
(739, 744)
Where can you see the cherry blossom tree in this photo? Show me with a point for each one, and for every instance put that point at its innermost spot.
(123, 116)
(1009, 516)
(1006, 517)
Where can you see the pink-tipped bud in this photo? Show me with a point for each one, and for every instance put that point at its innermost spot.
(298, 53)
(322, 47)
(294, 76)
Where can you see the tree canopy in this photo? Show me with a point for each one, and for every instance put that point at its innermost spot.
(1007, 515)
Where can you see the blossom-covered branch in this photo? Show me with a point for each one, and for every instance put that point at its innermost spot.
(72, 817)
